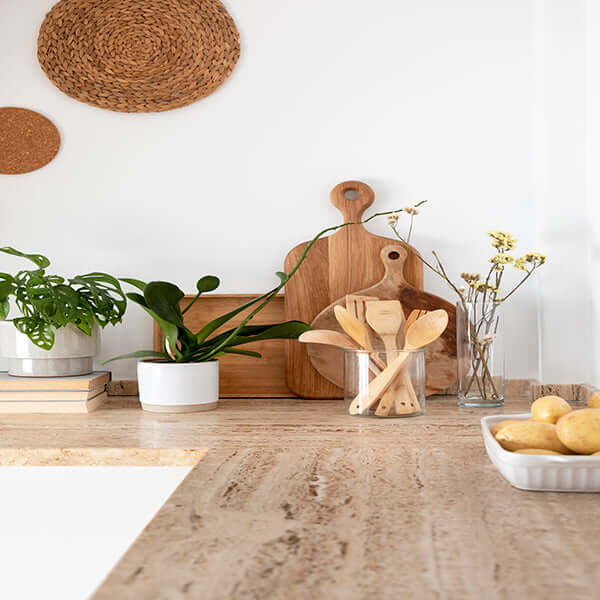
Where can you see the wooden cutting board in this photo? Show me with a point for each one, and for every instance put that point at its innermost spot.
(336, 265)
(242, 376)
(440, 356)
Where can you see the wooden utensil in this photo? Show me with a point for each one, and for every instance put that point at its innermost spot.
(328, 338)
(353, 327)
(338, 340)
(414, 315)
(357, 305)
(421, 333)
(386, 318)
(441, 356)
(336, 265)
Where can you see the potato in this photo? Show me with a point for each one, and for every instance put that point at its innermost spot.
(498, 426)
(580, 430)
(530, 434)
(549, 409)
(537, 451)
(594, 401)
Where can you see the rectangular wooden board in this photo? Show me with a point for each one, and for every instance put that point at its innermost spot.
(242, 376)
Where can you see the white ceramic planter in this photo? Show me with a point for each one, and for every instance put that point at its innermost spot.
(178, 387)
(72, 354)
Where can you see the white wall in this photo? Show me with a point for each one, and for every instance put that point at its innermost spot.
(420, 98)
(592, 38)
(567, 94)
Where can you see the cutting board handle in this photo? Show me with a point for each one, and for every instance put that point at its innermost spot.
(352, 198)
(393, 257)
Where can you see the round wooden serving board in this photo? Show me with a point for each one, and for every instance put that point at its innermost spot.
(440, 356)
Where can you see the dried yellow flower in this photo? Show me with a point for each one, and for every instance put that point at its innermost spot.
(392, 219)
(487, 339)
(521, 264)
(536, 258)
(501, 240)
(470, 278)
(481, 286)
(411, 210)
(502, 259)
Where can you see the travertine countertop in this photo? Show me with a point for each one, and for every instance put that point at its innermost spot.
(296, 500)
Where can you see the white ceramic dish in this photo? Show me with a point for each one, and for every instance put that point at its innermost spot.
(543, 473)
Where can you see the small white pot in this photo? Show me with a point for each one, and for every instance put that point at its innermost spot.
(72, 354)
(178, 387)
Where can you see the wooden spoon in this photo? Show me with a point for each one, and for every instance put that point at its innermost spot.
(357, 331)
(415, 314)
(328, 337)
(339, 340)
(353, 327)
(420, 334)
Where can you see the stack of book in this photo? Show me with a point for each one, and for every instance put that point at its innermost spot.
(81, 394)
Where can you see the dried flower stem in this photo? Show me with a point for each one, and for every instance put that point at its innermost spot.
(483, 292)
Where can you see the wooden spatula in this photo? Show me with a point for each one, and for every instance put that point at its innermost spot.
(386, 317)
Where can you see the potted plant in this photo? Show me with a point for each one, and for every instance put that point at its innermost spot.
(184, 375)
(57, 332)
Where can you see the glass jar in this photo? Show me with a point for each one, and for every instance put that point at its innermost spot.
(370, 390)
(480, 354)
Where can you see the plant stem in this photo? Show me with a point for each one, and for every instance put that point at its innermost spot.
(410, 228)
(529, 273)
(270, 295)
(191, 303)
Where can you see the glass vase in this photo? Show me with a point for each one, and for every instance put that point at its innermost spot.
(480, 354)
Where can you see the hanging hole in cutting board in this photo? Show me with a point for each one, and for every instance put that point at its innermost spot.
(393, 255)
(351, 194)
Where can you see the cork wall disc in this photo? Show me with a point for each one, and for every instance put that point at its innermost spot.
(28, 140)
(138, 55)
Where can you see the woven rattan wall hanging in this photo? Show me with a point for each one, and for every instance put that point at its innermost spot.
(28, 140)
(138, 55)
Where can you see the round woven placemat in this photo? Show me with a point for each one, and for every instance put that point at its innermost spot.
(138, 55)
(28, 140)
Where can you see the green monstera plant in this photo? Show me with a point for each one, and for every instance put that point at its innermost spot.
(48, 302)
(162, 301)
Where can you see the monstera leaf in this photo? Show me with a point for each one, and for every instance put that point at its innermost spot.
(41, 261)
(104, 296)
(39, 332)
